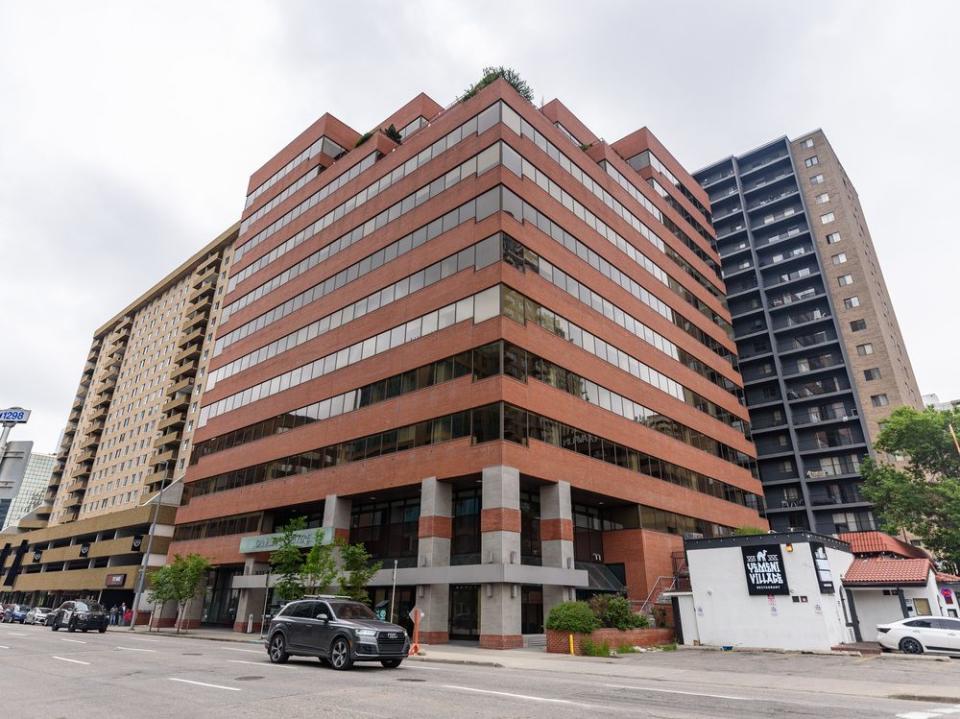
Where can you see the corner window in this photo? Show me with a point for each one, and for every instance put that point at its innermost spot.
(827, 218)
(845, 280)
(858, 325)
(839, 259)
(871, 374)
(851, 302)
(808, 142)
(879, 400)
(865, 349)
(816, 180)
(833, 238)
(823, 197)
(811, 161)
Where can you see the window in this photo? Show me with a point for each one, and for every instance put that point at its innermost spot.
(865, 349)
(858, 325)
(808, 142)
(811, 161)
(879, 400)
(827, 218)
(823, 198)
(833, 238)
(851, 302)
(845, 280)
(871, 374)
(839, 259)
(816, 180)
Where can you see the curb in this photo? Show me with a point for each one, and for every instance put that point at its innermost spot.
(761, 650)
(924, 698)
(187, 635)
(914, 657)
(461, 662)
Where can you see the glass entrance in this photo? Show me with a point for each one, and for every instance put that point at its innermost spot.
(220, 600)
(465, 612)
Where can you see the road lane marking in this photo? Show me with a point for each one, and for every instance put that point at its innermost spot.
(204, 684)
(931, 714)
(251, 651)
(261, 664)
(72, 641)
(135, 649)
(140, 639)
(13, 634)
(677, 691)
(2, 646)
(72, 661)
(526, 697)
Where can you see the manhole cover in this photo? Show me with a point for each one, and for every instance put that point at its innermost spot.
(411, 680)
(246, 679)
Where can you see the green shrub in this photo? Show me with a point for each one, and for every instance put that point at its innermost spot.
(626, 649)
(672, 647)
(572, 617)
(363, 138)
(748, 531)
(590, 649)
(614, 611)
(492, 73)
(393, 133)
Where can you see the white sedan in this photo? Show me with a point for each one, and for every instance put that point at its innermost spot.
(917, 635)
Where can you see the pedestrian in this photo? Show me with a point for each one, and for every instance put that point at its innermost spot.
(123, 613)
(113, 615)
(127, 617)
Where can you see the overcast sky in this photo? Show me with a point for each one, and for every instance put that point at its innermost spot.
(128, 130)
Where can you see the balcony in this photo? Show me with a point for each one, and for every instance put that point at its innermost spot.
(179, 401)
(184, 385)
(773, 198)
(791, 298)
(802, 319)
(162, 457)
(820, 416)
(725, 232)
(168, 440)
(205, 288)
(202, 303)
(781, 236)
(765, 162)
(197, 320)
(174, 420)
(806, 342)
(741, 246)
(772, 282)
(845, 469)
(185, 370)
(205, 272)
(196, 336)
(713, 180)
(90, 442)
(762, 182)
(191, 353)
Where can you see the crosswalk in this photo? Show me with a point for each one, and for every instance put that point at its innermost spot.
(932, 713)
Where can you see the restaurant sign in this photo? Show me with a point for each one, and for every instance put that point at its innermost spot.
(763, 567)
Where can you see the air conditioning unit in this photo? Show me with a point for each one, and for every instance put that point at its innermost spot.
(692, 535)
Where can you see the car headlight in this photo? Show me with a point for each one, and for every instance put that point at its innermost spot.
(367, 633)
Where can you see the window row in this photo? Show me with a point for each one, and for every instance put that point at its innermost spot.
(239, 524)
(476, 165)
(522, 309)
(489, 423)
(474, 126)
(324, 145)
(287, 191)
(638, 162)
(476, 257)
(479, 307)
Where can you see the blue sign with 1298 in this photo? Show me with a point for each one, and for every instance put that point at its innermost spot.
(16, 415)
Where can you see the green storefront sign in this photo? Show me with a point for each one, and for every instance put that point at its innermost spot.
(269, 542)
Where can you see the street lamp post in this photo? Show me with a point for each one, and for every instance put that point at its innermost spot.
(142, 577)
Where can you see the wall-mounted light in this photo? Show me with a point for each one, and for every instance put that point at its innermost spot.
(789, 547)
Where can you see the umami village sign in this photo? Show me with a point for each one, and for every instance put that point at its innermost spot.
(763, 566)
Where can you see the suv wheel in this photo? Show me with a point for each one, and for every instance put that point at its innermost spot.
(278, 649)
(391, 663)
(909, 645)
(72, 626)
(340, 654)
(55, 625)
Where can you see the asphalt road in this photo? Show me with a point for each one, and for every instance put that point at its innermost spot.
(48, 675)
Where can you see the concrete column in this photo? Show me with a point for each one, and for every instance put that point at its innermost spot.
(556, 539)
(435, 531)
(336, 514)
(250, 601)
(500, 544)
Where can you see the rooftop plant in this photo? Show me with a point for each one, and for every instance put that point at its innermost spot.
(507, 73)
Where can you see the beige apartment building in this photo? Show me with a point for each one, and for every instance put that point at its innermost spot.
(879, 364)
(128, 436)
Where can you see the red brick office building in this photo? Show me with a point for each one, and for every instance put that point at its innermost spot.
(495, 352)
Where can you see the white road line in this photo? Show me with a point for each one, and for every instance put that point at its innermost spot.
(527, 697)
(251, 651)
(677, 691)
(72, 661)
(135, 649)
(204, 684)
(140, 639)
(932, 714)
(72, 641)
(13, 634)
(2, 646)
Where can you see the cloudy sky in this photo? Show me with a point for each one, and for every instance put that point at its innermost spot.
(128, 130)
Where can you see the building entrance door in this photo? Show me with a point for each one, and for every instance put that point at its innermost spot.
(465, 612)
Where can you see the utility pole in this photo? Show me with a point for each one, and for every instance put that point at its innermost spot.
(142, 577)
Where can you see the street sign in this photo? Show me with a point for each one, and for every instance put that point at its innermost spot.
(304, 538)
(14, 415)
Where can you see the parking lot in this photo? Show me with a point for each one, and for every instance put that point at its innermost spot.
(47, 674)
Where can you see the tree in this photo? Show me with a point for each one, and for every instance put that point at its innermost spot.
(178, 581)
(356, 570)
(507, 73)
(393, 133)
(748, 531)
(922, 494)
(320, 566)
(287, 561)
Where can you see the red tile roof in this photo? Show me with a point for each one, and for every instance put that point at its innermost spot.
(880, 543)
(944, 578)
(882, 571)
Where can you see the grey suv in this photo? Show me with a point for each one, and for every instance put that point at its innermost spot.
(337, 630)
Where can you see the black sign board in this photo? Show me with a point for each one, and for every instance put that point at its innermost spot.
(822, 565)
(85, 549)
(115, 580)
(135, 544)
(15, 566)
(37, 556)
(764, 570)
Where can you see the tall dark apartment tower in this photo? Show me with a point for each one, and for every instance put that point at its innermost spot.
(821, 353)
(484, 345)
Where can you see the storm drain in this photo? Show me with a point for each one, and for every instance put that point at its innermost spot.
(246, 679)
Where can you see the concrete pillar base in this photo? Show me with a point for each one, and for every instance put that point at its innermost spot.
(501, 641)
(434, 637)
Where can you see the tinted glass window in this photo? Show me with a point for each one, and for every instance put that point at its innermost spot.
(949, 624)
(353, 610)
(922, 623)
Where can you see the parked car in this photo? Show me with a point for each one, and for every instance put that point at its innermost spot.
(337, 630)
(13, 613)
(37, 615)
(917, 635)
(82, 615)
